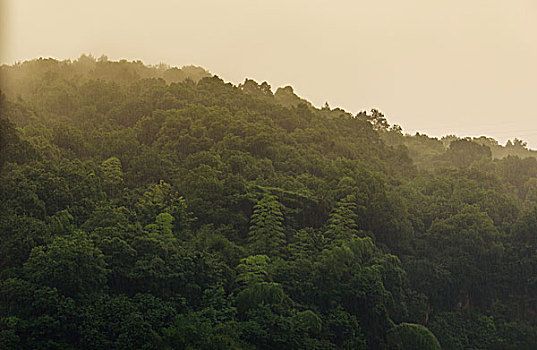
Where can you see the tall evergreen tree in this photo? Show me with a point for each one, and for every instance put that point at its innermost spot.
(342, 222)
(266, 234)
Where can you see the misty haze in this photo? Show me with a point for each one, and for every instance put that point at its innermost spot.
(268, 175)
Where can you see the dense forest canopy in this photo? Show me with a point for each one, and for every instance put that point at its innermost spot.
(152, 207)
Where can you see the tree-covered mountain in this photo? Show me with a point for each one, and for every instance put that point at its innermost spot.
(162, 208)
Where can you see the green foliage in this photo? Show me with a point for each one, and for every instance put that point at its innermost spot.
(154, 207)
(466, 330)
(112, 174)
(163, 225)
(263, 293)
(342, 222)
(408, 336)
(72, 264)
(308, 321)
(252, 270)
(266, 234)
(345, 331)
(463, 153)
(13, 148)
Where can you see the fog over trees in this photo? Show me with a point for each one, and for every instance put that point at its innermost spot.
(157, 207)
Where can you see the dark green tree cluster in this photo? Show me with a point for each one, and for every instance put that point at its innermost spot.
(162, 208)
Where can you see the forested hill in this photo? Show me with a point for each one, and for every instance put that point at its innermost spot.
(162, 208)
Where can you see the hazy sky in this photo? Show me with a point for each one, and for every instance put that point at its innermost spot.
(466, 67)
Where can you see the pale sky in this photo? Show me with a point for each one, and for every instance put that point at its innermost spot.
(467, 67)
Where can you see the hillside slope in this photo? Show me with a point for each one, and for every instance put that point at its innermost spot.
(143, 211)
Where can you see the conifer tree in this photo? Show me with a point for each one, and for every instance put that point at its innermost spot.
(266, 234)
(342, 222)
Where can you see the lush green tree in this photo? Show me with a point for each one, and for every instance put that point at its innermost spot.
(253, 269)
(13, 148)
(72, 264)
(342, 222)
(463, 153)
(20, 235)
(410, 336)
(112, 175)
(266, 235)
